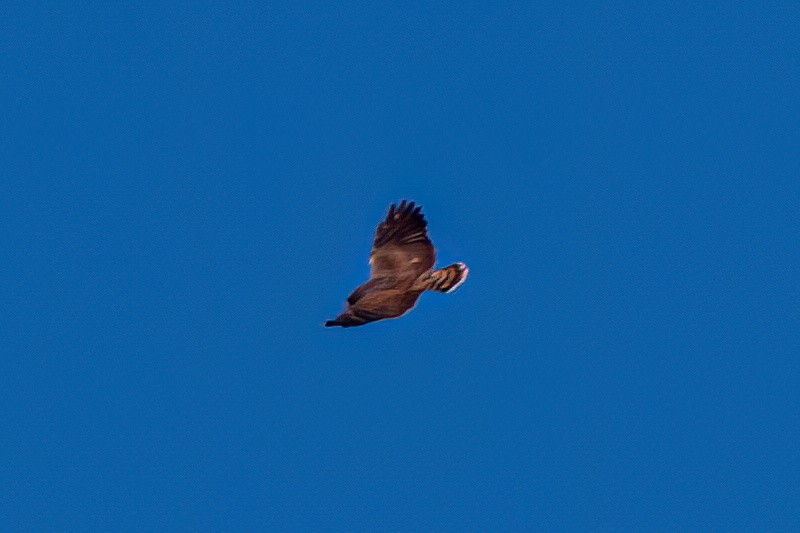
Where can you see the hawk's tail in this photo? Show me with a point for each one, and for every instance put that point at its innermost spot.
(447, 279)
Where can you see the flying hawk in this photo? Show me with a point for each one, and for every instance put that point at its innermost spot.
(401, 268)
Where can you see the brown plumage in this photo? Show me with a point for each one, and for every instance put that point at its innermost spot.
(401, 263)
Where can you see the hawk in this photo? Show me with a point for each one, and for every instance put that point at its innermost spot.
(401, 268)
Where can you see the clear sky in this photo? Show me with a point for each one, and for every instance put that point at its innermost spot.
(190, 190)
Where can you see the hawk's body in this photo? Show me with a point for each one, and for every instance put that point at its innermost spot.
(401, 263)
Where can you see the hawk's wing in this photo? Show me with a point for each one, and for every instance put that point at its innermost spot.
(401, 248)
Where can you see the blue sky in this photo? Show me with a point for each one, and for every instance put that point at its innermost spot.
(191, 189)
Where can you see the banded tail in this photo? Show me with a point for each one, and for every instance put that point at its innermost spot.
(447, 279)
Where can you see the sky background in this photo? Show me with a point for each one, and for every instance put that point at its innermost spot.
(189, 190)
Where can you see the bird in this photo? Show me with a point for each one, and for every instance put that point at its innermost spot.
(401, 269)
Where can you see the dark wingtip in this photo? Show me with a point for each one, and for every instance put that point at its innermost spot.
(404, 208)
(331, 323)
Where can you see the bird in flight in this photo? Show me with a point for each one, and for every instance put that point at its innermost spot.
(401, 268)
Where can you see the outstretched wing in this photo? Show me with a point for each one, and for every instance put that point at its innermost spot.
(401, 247)
(370, 302)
